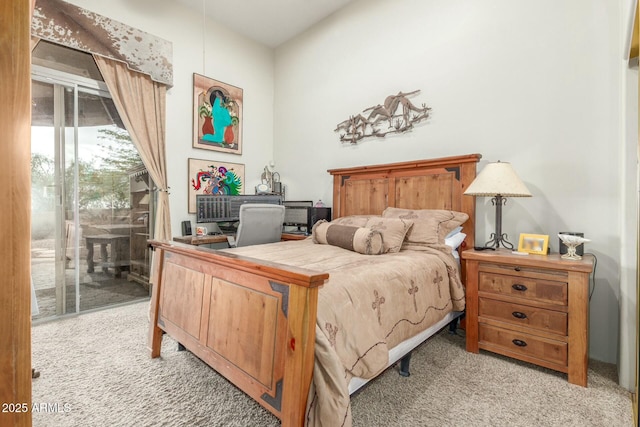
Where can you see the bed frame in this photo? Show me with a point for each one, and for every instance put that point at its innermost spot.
(254, 321)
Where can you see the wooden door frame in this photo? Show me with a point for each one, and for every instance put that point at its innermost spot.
(15, 216)
(634, 51)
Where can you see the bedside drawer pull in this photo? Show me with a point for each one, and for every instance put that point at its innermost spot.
(519, 315)
(519, 343)
(519, 287)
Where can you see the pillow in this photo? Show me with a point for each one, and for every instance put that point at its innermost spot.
(354, 220)
(358, 239)
(393, 231)
(455, 240)
(454, 232)
(430, 226)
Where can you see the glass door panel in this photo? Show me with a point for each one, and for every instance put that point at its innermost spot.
(48, 255)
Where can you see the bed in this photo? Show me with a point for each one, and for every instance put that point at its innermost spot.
(281, 321)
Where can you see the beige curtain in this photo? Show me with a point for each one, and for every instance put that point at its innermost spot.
(141, 104)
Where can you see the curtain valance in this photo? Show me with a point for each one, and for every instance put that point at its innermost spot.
(69, 25)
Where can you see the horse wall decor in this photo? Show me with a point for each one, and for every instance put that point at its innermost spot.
(396, 115)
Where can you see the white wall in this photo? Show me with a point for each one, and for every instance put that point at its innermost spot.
(537, 84)
(627, 364)
(230, 58)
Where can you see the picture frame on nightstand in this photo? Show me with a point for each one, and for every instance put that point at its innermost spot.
(533, 243)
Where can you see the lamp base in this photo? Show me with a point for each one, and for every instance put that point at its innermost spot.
(499, 237)
(496, 241)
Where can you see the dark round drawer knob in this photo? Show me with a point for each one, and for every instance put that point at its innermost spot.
(519, 343)
(519, 287)
(519, 315)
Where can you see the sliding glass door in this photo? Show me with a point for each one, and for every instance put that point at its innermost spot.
(81, 213)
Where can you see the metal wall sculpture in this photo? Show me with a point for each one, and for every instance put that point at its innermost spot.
(397, 115)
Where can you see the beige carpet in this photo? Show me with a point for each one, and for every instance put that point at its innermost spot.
(96, 368)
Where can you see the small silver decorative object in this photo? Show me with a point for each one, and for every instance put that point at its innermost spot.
(572, 242)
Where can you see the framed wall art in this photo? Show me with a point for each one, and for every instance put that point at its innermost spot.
(217, 115)
(533, 243)
(212, 177)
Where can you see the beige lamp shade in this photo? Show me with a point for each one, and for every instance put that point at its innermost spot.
(498, 178)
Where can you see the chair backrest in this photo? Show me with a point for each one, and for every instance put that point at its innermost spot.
(259, 223)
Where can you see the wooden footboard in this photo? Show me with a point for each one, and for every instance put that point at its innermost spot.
(252, 321)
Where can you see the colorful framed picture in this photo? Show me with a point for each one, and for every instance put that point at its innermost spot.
(533, 243)
(212, 177)
(217, 115)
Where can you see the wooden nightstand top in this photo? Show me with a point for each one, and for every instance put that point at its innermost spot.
(553, 260)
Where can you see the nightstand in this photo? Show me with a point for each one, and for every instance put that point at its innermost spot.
(533, 308)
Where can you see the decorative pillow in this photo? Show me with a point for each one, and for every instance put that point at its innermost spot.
(354, 220)
(358, 239)
(393, 231)
(430, 226)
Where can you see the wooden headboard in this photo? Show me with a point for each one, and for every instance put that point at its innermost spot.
(420, 184)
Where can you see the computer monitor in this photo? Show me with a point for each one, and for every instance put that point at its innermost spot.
(226, 208)
(316, 214)
(303, 215)
(295, 213)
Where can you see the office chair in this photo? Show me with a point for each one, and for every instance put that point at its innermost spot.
(259, 223)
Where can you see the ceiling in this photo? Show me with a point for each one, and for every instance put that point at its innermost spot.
(270, 22)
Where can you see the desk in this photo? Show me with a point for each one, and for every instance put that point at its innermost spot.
(119, 252)
(222, 238)
(118, 228)
(201, 240)
(294, 236)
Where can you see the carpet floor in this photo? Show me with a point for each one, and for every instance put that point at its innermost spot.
(96, 371)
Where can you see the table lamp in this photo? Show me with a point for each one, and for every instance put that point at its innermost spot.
(498, 180)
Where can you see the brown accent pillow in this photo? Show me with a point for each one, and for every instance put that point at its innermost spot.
(430, 226)
(393, 231)
(358, 239)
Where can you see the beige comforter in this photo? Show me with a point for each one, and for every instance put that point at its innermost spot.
(369, 304)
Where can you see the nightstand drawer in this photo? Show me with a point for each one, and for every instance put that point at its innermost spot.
(554, 275)
(523, 287)
(523, 315)
(506, 341)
